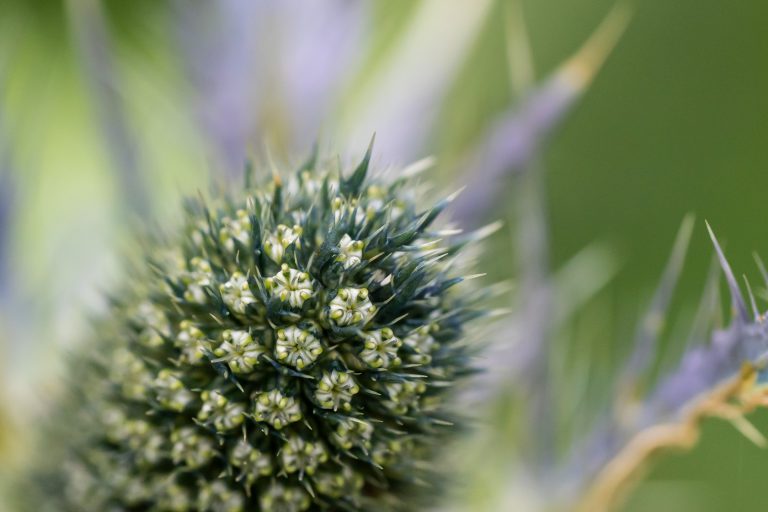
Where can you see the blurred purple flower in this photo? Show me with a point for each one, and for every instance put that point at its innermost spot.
(509, 145)
(320, 42)
(7, 200)
(402, 99)
(649, 329)
(219, 45)
(266, 69)
(714, 378)
(704, 366)
(94, 49)
(512, 142)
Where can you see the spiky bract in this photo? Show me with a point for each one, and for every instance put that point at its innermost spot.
(290, 350)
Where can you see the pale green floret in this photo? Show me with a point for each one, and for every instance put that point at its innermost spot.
(335, 390)
(290, 285)
(251, 462)
(307, 184)
(172, 497)
(199, 276)
(276, 409)
(297, 347)
(300, 455)
(191, 447)
(353, 433)
(152, 449)
(377, 201)
(236, 293)
(338, 484)
(422, 343)
(171, 392)
(238, 229)
(156, 322)
(218, 497)
(239, 351)
(350, 251)
(380, 348)
(351, 306)
(136, 433)
(133, 488)
(113, 420)
(132, 374)
(224, 414)
(342, 207)
(404, 395)
(386, 452)
(276, 243)
(190, 340)
(281, 498)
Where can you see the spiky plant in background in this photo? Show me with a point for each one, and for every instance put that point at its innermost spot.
(291, 349)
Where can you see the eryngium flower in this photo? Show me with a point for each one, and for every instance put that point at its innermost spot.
(290, 349)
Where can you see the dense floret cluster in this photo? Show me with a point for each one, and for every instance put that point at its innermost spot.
(290, 349)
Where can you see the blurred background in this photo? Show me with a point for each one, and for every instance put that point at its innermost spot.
(110, 112)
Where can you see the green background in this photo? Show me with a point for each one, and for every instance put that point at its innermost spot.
(676, 122)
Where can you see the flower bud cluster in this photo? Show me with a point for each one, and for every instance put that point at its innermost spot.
(294, 352)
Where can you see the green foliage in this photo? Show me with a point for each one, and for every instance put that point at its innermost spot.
(290, 349)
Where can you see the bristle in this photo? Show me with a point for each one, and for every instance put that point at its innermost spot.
(733, 286)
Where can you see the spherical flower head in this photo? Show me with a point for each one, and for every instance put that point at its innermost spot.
(292, 347)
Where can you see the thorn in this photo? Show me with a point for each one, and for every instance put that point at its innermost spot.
(519, 54)
(456, 194)
(248, 175)
(736, 297)
(761, 266)
(748, 430)
(486, 231)
(646, 338)
(311, 161)
(351, 186)
(751, 298)
(418, 167)
(581, 68)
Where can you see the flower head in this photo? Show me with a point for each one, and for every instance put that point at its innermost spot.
(297, 352)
